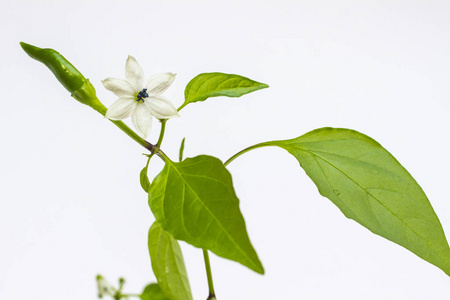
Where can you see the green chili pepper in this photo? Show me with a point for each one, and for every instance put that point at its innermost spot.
(80, 87)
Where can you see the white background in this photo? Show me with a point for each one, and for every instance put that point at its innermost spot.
(71, 204)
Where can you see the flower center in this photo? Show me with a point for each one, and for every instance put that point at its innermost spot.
(142, 94)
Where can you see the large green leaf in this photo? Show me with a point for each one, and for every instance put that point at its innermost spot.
(194, 200)
(371, 187)
(153, 292)
(207, 85)
(168, 264)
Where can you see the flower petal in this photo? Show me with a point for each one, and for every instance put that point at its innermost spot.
(121, 109)
(120, 87)
(142, 119)
(158, 83)
(134, 73)
(160, 107)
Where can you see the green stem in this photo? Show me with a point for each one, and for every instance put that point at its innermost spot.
(260, 145)
(212, 295)
(158, 144)
(152, 148)
(131, 295)
(148, 160)
(161, 133)
(181, 107)
(102, 110)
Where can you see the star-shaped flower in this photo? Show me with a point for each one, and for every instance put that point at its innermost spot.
(139, 100)
(104, 287)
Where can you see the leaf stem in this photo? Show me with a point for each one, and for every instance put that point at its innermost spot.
(182, 105)
(260, 145)
(212, 295)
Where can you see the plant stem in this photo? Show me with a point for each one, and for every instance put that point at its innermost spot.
(265, 144)
(158, 144)
(102, 110)
(212, 295)
(182, 105)
(161, 133)
(131, 295)
(152, 148)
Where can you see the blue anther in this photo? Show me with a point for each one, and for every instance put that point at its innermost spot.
(142, 94)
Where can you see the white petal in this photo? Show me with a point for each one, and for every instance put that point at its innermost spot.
(104, 287)
(120, 87)
(142, 119)
(134, 73)
(121, 109)
(160, 107)
(157, 84)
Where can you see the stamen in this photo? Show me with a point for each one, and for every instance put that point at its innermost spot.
(142, 94)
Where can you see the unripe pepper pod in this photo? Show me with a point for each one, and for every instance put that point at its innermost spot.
(80, 87)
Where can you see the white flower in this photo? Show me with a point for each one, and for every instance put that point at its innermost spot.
(104, 287)
(139, 100)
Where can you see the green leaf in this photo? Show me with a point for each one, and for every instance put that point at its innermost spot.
(207, 85)
(371, 187)
(145, 183)
(194, 200)
(168, 264)
(153, 292)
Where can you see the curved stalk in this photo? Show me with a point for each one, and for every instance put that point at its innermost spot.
(161, 133)
(260, 145)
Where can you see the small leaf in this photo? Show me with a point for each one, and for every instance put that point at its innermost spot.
(371, 187)
(145, 183)
(180, 156)
(153, 292)
(207, 85)
(168, 264)
(194, 200)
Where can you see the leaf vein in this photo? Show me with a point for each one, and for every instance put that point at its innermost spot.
(210, 212)
(357, 183)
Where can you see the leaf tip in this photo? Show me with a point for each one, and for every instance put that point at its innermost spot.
(258, 267)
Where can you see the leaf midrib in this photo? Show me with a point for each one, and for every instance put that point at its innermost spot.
(353, 180)
(219, 89)
(183, 277)
(201, 85)
(169, 247)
